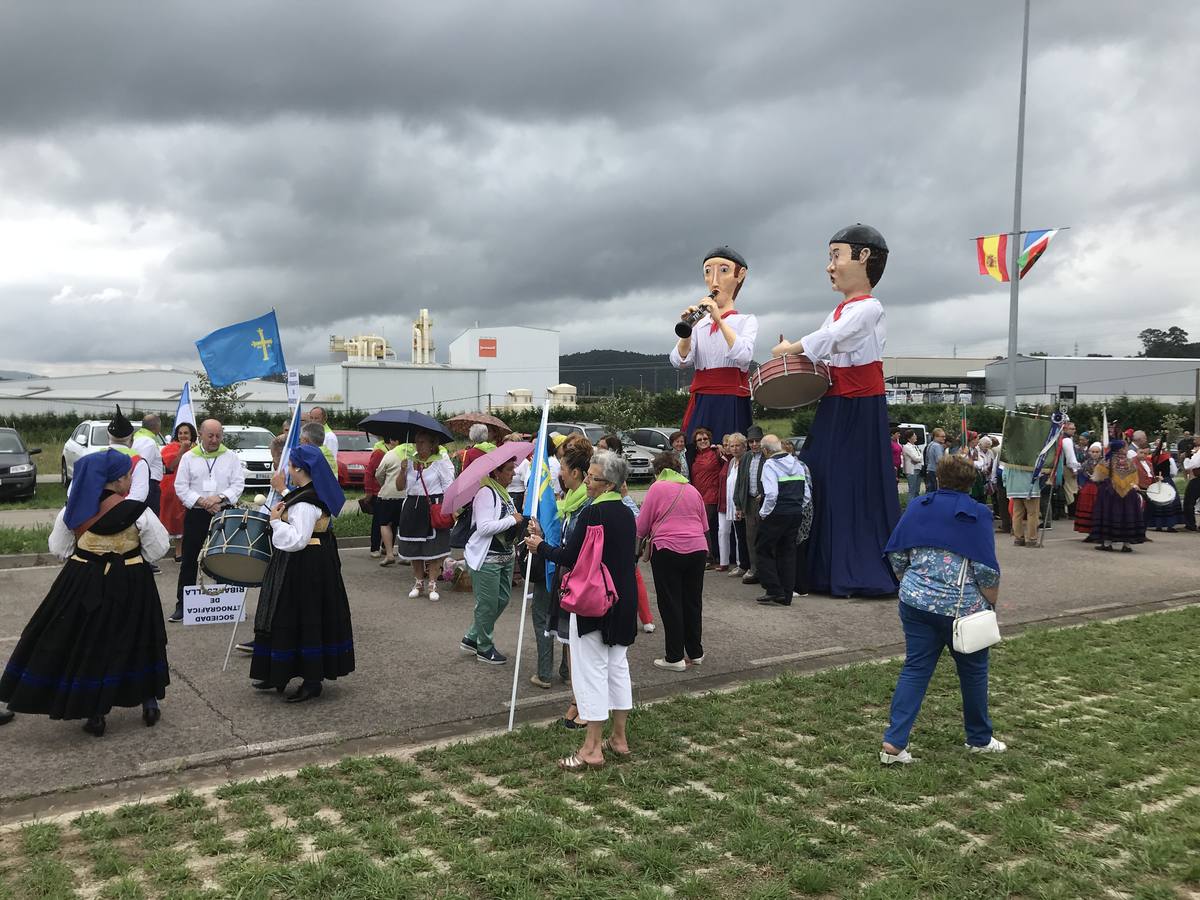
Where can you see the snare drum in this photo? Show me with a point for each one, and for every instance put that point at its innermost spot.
(789, 381)
(238, 548)
(1161, 493)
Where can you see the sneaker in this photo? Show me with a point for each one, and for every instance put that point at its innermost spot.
(796, 595)
(538, 682)
(698, 661)
(493, 657)
(680, 666)
(468, 646)
(750, 578)
(244, 648)
(416, 588)
(176, 616)
(735, 572)
(433, 593)
(375, 554)
(903, 757)
(992, 746)
(648, 628)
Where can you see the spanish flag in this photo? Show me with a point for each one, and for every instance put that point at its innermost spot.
(993, 252)
(993, 255)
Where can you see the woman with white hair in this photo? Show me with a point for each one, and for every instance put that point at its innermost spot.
(982, 459)
(599, 665)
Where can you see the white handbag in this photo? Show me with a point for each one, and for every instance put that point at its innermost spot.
(976, 631)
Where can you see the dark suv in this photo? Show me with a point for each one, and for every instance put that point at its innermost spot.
(18, 472)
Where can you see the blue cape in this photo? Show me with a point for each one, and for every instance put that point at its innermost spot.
(312, 461)
(92, 472)
(948, 520)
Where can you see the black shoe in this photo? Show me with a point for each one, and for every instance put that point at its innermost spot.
(1106, 547)
(304, 692)
(178, 560)
(264, 686)
(468, 646)
(7, 716)
(775, 601)
(1126, 549)
(1172, 530)
(244, 648)
(151, 715)
(493, 657)
(749, 579)
(1190, 527)
(155, 570)
(176, 616)
(95, 725)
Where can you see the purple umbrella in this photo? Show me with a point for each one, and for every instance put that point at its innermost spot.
(466, 486)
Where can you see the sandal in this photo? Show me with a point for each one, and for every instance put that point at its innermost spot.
(571, 723)
(607, 746)
(573, 763)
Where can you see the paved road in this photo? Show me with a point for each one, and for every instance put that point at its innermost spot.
(412, 678)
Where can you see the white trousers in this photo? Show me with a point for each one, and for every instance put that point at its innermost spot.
(724, 536)
(599, 675)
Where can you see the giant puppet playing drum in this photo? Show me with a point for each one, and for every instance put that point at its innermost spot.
(848, 450)
(789, 382)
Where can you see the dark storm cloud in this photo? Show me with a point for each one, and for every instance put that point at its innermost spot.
(561, 164)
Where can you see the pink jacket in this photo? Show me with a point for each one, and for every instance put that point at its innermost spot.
(684, 530)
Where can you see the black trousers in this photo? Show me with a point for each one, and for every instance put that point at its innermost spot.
(739, 553)
(800, 585)
(679, 586)
(1190, 497)
(777, 554)
(195, 530)
(154, 496)
(714, 549)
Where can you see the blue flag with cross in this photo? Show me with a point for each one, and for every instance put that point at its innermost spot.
(243, 351)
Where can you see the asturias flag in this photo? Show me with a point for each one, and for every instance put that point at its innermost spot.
(992, 251)
(540, 491)
(243, 351)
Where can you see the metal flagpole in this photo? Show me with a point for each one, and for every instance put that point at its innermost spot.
(1014, 269)
(539, 459)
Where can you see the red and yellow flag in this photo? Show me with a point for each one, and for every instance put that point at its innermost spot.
(993, 255)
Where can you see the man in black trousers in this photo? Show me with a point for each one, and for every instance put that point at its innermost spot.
(785, 488)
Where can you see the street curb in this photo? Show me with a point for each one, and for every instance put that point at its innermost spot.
(211, 774)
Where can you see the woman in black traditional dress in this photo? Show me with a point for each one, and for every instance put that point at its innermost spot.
(98, 639)
(1117, 516)
(302, 627)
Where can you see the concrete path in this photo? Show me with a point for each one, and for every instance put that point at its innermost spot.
(27, 518)
(413, 682)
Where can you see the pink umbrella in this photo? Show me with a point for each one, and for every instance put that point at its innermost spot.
(466, 486)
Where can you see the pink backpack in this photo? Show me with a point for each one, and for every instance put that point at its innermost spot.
(587, 590)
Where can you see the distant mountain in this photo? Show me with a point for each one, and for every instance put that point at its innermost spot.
(13, 375)
(596, 372)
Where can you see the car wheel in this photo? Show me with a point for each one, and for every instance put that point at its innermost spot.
(66, 479)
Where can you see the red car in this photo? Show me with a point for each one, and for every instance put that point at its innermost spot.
(354, 450)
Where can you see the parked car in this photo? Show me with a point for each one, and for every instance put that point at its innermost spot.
(252, 445)
(88, 437)
(656, 439)
(354, 452)
(18, 471)
(640, 459)
(589, 430)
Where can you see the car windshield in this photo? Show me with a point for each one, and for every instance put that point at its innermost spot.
(99, 434)
(354, 442)
(10, 443)
(594, 433)
(252, 439)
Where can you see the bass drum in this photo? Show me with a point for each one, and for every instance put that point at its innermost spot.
(789, 382)
(238, 548)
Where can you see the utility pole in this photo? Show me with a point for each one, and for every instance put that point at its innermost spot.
(1196, 408)
(1014, 271)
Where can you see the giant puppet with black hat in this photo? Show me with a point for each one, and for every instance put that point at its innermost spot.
(848, 449)
(718, 343)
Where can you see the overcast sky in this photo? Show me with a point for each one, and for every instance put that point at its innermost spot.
(166, 169)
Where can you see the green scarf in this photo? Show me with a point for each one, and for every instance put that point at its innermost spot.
(121, 448)
(606, 497)
(485, 446)
(328, 454)
(379, 445)
(496, 486)
(671, 475)
(571, 502)
(204, 454)
(146, 432)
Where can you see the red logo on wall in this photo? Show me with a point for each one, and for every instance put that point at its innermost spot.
(487, 347)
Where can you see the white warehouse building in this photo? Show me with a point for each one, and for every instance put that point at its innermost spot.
(1091, 379)
(515, 358)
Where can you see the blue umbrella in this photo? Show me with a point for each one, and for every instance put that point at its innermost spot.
(403, 424)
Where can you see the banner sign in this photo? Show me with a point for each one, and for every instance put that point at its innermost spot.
(213, 604)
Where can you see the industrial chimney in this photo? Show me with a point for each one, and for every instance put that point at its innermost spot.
(422, 340)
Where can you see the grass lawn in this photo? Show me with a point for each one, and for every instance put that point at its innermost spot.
(773, 790)
(50, 495)
(24, 540)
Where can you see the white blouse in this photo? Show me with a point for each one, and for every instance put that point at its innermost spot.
(709, 351)
(438, 475)
(295, 533)
(487, 512)
(154, 538)
(855, 339)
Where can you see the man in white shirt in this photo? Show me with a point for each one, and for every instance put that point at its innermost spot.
(209, 478)
(120, 437)
(1071, 462)
(317, 415)
(146, 443)
(719, 349)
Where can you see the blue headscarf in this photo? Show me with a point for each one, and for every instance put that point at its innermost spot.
(947, 520)
(92, 472)
(312, 461)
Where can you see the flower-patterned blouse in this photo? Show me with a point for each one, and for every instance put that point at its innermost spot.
(929, 580)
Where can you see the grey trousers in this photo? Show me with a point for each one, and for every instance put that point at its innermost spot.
(752, 522)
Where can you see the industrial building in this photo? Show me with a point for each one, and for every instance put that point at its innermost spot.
(1091, 379)
(514, 357)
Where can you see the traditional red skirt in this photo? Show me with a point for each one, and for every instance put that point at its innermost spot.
(1085, 503)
